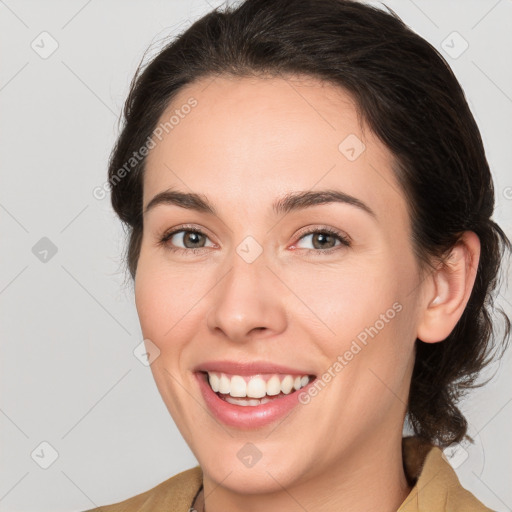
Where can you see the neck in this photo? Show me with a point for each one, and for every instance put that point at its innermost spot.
(370, 478)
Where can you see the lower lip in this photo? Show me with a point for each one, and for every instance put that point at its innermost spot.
(247, 417)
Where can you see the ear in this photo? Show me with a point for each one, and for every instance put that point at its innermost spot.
(449, 289)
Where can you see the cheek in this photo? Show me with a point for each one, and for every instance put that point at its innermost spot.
(168, 301)
(150, 300)
(343, 301)
(364, 319)
(159, 301)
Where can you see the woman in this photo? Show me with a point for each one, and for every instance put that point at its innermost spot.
(309, 206)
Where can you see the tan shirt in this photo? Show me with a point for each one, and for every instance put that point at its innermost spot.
(436, 487)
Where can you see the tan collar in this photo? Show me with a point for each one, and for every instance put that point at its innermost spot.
(436, 485)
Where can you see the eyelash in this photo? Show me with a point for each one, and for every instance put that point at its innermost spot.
(345, 241)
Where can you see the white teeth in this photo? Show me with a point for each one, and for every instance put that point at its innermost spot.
(244, 403)
(255, 387)
(287, 384)
(273, 386)
(238, 386)
(214, 382)
(224, 384)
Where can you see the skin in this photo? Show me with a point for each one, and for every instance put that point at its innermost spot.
(248, 142)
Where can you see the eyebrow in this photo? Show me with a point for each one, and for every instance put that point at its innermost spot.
(290, 202)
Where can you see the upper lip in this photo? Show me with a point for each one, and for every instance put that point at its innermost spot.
(248, 368)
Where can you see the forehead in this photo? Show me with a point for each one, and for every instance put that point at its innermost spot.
(279, 114)
(253, 139)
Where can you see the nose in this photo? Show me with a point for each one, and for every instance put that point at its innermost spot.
(248, 302)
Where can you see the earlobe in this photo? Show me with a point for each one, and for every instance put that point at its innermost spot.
(452, 283)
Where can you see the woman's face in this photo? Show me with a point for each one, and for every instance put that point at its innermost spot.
(247, 288)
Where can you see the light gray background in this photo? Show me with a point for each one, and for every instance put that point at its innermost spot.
(69, 326)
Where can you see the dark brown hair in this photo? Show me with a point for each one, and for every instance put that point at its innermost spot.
(409, 97)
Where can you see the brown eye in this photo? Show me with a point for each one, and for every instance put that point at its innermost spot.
(185, 240)
(323, 239)
(191, 239)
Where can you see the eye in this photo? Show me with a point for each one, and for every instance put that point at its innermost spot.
(187, 240)
(325, 239)
(191, 240)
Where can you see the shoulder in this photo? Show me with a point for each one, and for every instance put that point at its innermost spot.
(437, 487)
(173, 495)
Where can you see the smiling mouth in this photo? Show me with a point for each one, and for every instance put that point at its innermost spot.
(254, 390)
